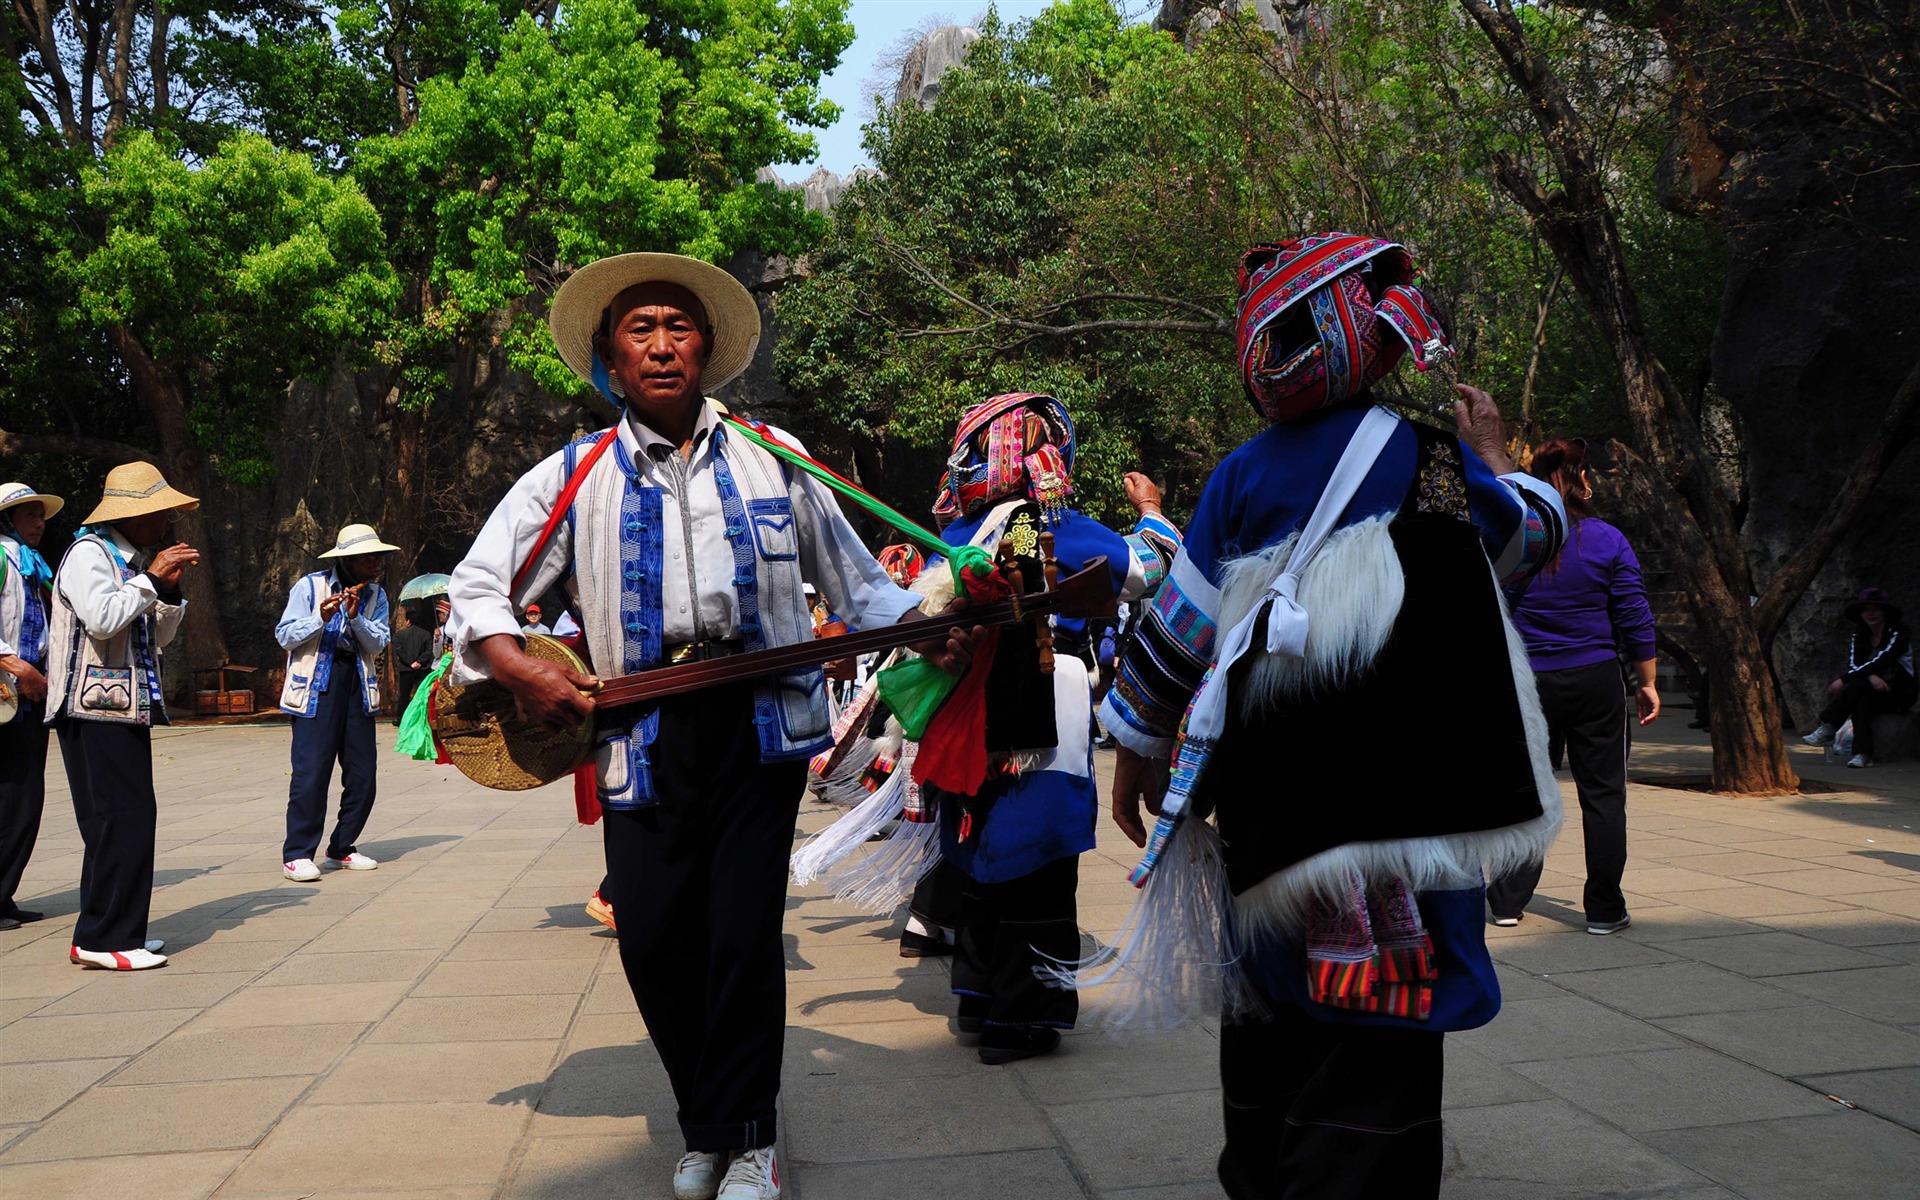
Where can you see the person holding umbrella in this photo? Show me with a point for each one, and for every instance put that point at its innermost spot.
(333, 629)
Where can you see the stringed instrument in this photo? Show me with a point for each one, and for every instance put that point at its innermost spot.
(478, 723)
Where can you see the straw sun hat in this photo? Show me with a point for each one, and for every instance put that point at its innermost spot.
(357, 539)
(12, 495)
(731, 311)
(135, 489)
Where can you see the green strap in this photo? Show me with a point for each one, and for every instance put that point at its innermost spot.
(962, 560)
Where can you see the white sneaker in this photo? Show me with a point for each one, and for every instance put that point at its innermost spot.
(302, 870)
(698, 1175)
(1822, 736)
(117, 960)
(1860, 760)
(755, 1175)
(352, 862)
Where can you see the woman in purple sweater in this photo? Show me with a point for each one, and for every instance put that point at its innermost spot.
(1579, 617)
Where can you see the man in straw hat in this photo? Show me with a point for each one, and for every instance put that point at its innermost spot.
(119, 602)
(26, 588)
(333, 630)
(685, 541)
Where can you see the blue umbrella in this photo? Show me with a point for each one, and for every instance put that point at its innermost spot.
(422, 586)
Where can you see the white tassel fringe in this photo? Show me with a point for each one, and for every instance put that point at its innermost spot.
(879, 882)
(1175, 960)
(825, 849)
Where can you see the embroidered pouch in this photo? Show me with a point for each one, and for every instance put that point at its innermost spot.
(773, 529)
(107, 689)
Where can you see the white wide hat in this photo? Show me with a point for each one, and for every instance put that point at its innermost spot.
(358, 539)
(14, 494)
(731, 312)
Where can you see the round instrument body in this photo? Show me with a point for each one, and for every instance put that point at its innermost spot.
(9, 702)
(479, 726)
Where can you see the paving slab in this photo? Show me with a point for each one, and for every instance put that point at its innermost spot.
(457, 1014)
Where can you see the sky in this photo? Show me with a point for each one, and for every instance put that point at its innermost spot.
(877, 25)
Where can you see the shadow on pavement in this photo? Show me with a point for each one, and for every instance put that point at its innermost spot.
(400, 847)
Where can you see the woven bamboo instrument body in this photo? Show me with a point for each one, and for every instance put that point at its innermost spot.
(479, 726)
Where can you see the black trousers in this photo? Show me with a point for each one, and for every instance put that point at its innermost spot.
(23, 796)
(1315, 1109)
(341, 729)
(1862, 702)
(1586, 707)
(110, 771)
(1005, 928)
(406, 684)
(936, 898)
(699, 883)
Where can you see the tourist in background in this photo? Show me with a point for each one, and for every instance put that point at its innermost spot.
(333, 629)
(1580, 617)
(412, 651)
(118, 602)
(1878, 679)
(26, 590)
(534, 623)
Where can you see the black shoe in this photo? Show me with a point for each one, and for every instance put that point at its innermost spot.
(1001, 1044)
(972, 1017)
(920, 945)
(24, 916)
(9, 923)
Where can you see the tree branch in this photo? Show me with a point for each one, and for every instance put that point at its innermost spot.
(16, 445)
(1796, 573)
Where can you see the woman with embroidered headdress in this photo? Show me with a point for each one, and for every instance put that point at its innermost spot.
(1341, 573)
(1015, 838)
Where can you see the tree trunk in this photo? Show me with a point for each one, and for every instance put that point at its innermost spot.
(402, 503)
(160, 389)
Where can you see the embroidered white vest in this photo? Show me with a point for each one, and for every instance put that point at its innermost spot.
(114, 678)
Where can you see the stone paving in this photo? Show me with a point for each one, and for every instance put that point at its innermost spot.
(452, 1025)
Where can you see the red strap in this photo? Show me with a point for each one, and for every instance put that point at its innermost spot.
(561, 506)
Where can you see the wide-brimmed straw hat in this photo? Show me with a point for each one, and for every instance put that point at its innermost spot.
(357, 539)
(12, 495)
(133, 490)
(731, 311)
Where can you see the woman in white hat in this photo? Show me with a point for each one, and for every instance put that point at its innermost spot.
(333, 630)
(685, 541)
(26, 588)
(118, 603)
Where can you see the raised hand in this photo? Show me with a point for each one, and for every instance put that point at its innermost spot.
(169, 563)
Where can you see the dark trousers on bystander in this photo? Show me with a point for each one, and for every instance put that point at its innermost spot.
(110, 772)
(1586, 707)
(339, 729)
(699, 882)
(23, 796)
(1322, 1111)
(1861, 701)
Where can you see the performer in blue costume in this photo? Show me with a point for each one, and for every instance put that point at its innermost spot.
(1018, 843)
(1338, 587)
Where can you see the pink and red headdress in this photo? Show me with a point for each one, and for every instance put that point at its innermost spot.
(1314, 318)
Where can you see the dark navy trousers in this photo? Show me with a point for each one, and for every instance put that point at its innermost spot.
(110, 773)
(339, 729)
(23, 796)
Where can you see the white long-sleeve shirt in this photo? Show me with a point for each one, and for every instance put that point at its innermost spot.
(697, 594)
(104, 605)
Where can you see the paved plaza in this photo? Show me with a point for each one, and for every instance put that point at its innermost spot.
(454, 1026)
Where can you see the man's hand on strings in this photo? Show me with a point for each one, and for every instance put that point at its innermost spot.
(1137, 780)
(954, 651)
(547, 693)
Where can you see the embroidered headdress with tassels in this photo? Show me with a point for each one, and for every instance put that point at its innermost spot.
(1325, 317)
(1017, 442)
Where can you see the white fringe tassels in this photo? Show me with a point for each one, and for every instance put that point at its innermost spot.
(1176, 959)
(879, 882)
(825, 849)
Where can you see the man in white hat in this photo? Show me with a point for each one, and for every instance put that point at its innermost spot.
(118, 603)
(333, 630)
(26, 588)
(685, 541)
